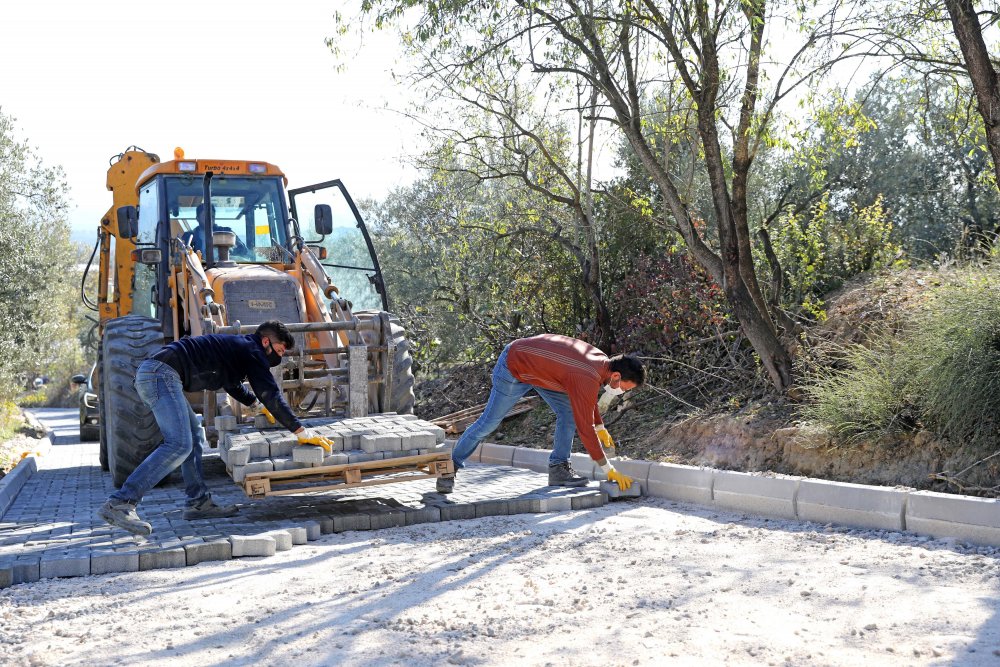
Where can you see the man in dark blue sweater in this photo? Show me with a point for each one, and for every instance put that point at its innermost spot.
(198, 363)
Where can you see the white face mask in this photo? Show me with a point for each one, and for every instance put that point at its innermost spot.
(614, 391)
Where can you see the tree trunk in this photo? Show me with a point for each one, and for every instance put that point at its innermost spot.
(984, 78)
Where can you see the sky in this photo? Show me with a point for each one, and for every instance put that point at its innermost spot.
(246, 80)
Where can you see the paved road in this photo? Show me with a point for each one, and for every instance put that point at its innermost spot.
(51, 529)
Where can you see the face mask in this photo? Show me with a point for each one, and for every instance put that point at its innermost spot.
(273, 358)
(614, 391)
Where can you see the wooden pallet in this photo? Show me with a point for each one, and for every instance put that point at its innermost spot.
(457, 422)
(349, 475)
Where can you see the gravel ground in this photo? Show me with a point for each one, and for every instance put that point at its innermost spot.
(634, 583)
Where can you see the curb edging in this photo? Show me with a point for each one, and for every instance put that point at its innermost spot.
(938, 515)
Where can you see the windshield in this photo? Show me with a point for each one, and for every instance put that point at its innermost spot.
(252, 208)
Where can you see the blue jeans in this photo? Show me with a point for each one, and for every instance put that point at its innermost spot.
(506, 391)
(159, 387)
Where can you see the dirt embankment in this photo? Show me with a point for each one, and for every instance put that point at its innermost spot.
(731, 443)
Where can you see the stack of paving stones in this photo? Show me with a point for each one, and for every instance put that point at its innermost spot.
(246, 449)
(51, 529)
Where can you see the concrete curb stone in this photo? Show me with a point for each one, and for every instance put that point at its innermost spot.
(680, 482)
(960, 517)
(824, 501)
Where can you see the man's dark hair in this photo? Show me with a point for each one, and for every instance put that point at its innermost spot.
(277, 331)
(630, 367)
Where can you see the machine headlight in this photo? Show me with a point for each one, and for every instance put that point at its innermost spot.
(90, 400)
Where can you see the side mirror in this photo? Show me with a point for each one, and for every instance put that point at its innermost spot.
(323, 216)
(128, 222)
(78, 379)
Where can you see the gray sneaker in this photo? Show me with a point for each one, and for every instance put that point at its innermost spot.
(445, 484)
(122, 514)
(207, 509)
(562, 474)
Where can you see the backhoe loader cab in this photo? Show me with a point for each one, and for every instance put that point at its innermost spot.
(212, 246)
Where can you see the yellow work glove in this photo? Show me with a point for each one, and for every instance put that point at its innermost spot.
(267, 414)
(606, 441)
(307, 437)
(623, 481)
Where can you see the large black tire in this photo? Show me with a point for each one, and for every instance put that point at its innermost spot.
(402, 399)
(102, 421)
(129, 426)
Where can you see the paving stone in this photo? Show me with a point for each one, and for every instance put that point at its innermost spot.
(326, 525)
(259, 449)
(308, 454)
(208, 551)
(336, 459)
(422, 515)
(299, 534)
(225, 423)
(71, 564)
(387, 519)
(6, 575)
(282, 539)
(162, 559)
(106, 562)
(239, 474)
(284, 445)
(255, 545)
(351, 522)
(586, 501)
(524, 505)
(492, 508)
(556, 504)
(614, 491)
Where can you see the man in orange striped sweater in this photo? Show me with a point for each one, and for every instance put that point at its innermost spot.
(567, 374)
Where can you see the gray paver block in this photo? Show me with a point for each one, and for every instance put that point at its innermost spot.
(458, 511)
(106, 562)
(325, 525)
(498, 454)
(64, 565)
(238, 456)
(423, 515)
(239, 473)
(313, 530)
(258, 466)
(438, 432)
(336, 459)
(259, 449)
(387, 519)
(556, 504)
(161, 559)
(525, 505)
(208, 551)
(308, 454)
(756, 494)
(282, 539)
(362, 457)
(491, 508)
(961, 517)
(532, 459)
(284, 445)
(255, 545)
(680, 482)
(225, 423)
(26, 569)
(6, 575)
(851, 504)
(421, 440)
(614, 491)
(586, 501)
(299, 534)
(347, 522)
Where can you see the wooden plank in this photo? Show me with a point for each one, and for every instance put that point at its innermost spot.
(456, 422)
(366, 465)
(334, 487)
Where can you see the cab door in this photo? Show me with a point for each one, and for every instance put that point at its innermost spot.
(350, 261)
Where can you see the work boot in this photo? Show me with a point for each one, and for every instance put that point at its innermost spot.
(562, 474)
(121, 513)
(445, 484)
(207, 509)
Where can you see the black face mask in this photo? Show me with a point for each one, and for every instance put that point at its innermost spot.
(273, 358)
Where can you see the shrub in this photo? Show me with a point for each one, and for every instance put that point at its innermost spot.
(942, 373)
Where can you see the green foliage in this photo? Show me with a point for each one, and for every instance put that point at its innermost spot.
(942, 373)
(39, 316)
(821, 250)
